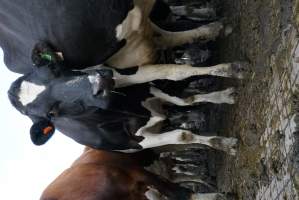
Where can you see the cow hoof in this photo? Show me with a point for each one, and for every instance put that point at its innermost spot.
(227, 30)
(228, 145)
(240, 70)
(229, 95)
(214, 29)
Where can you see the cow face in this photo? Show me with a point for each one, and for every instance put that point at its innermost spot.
(44, 97)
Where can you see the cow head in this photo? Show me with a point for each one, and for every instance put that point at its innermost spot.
(51, 91)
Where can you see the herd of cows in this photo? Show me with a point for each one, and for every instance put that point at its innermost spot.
(90, 71)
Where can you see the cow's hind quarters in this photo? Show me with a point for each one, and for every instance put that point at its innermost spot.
(43, 54)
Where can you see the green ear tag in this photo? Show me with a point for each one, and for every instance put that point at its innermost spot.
(46, 56)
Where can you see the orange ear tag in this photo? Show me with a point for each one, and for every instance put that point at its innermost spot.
(47, 130)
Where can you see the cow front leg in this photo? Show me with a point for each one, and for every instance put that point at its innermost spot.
(175, 72)
(186, 137)
(218, 97)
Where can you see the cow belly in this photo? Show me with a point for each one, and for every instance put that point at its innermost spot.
(138, 52)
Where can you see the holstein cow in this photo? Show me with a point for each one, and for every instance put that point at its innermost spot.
(87, 32)
(65, 98)
(76, 103)
(102, 175)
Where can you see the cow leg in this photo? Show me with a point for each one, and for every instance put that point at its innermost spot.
(197, 14)
(186, 137)
(191, 179)
(175, 72)
(151, 140)
(160, 189)
(207, 196)
(218, 97)
(166, 39)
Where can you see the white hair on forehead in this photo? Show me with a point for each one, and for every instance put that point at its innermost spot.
(29, 92)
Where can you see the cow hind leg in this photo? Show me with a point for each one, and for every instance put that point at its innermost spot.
(166, 39)
(193, 13)
(186, 137)
(217, 97)
(181, 179)
(151, 140)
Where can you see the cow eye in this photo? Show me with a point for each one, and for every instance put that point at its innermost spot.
(51, 114)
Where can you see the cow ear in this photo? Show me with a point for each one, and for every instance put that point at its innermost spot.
(41, 132)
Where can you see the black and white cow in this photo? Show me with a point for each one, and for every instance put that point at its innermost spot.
(69, 99)
(125, 118)
(87, 32)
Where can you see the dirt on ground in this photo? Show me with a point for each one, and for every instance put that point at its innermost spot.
(259, 31)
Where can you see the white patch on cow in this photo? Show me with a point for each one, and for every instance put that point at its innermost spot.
(119, 30)
(95, 80)
(130, 24)
(29, 92)
(217, 97)
(147, 73)
(154, 194)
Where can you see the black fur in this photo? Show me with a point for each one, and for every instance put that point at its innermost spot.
(83, 30)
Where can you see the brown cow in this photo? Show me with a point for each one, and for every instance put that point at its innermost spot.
(103, 175)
